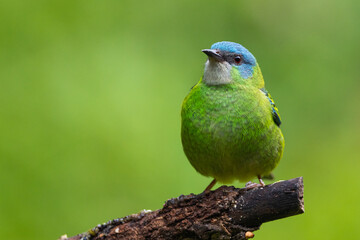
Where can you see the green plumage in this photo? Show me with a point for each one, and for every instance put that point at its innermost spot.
(228, 130)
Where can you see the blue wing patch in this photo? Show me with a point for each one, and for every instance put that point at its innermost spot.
(275, 111)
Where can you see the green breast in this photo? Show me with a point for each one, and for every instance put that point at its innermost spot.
(228, 132)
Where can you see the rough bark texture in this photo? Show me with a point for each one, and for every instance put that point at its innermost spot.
(226, 213)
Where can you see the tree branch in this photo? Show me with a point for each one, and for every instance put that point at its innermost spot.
(226, 213)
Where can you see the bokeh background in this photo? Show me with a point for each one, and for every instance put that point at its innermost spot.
(90, 96)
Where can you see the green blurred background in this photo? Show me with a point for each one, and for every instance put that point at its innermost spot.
(90, 96)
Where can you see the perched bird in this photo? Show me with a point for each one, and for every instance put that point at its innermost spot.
(230, 126)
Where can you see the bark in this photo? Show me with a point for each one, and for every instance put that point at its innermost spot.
(226, 213)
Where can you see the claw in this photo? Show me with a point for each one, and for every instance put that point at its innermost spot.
(251, 185)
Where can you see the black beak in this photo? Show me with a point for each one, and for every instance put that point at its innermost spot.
(213, 53)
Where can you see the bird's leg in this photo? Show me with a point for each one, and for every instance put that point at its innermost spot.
(251, 185)
(208, 188)
(261, 181)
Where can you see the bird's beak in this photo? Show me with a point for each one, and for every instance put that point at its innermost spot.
(212, 53)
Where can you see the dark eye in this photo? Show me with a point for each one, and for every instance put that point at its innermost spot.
(237, 59)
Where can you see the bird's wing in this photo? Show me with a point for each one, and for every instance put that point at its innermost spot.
(274, 110)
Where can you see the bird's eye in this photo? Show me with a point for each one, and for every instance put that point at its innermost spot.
(237, 59)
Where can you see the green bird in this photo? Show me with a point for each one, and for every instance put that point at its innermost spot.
(230, 126)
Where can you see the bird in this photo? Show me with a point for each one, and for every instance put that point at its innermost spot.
(230, 125)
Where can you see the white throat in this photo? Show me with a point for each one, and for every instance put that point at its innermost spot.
(217, 73)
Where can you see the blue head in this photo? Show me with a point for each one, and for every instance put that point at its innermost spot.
(230, 50)
(223, 57)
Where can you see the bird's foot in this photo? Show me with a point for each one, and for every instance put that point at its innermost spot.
(251, 185)
(261, 181)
